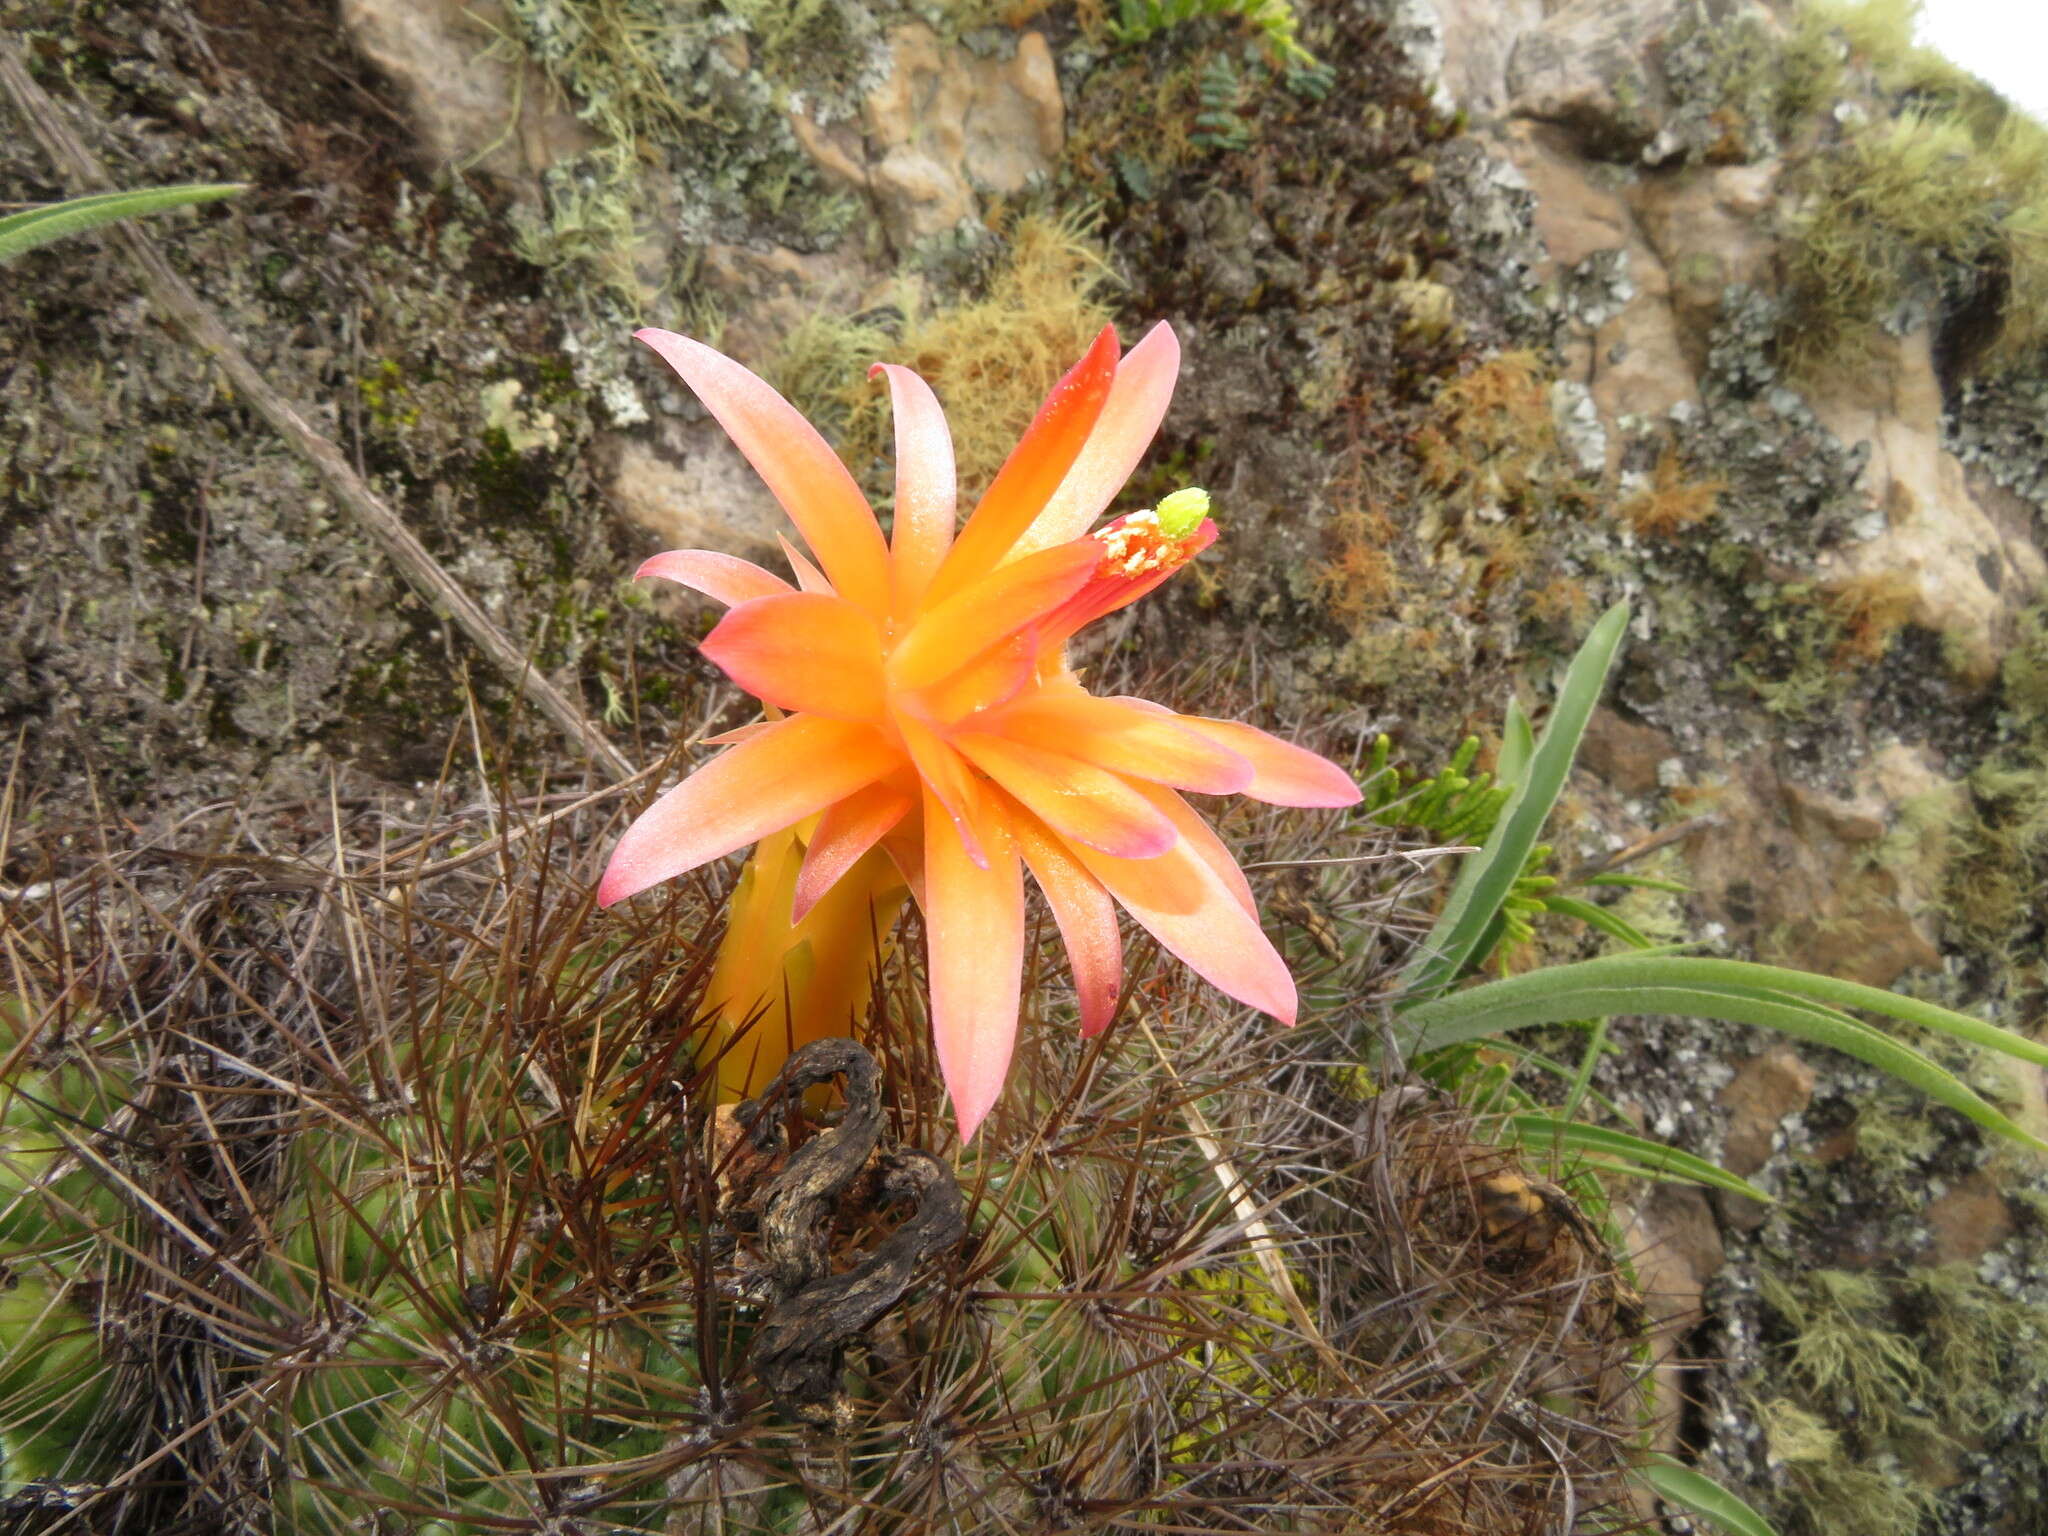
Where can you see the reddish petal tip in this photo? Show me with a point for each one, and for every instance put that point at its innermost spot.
(615, 887)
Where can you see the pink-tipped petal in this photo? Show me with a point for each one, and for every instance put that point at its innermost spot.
(1087, 922)
(797, 464)
(803, 651)
(768, 782)
(725, 578)
(1034, 469)
(1130, 419)
(974, 922)
(1181, 902)
(1133, 742)
(808, 577)
(1207, 846)
(990, 611)
(848, 829)
(925, 489)
(1076, 799)
(1282, 773)
(948, 779)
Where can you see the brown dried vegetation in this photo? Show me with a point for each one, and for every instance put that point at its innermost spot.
(1671, 502)
(404, 1214)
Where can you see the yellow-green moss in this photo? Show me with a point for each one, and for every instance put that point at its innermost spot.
(1942, 196)
(990, 359)
(1843, 1349)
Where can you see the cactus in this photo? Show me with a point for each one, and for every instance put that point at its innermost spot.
(60, 1091)
(418, 1219)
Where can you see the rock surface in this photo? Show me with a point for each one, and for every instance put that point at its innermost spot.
(477, 104)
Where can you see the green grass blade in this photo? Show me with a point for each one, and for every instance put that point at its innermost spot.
(1483, 884)
(1517, 745)
(1599, 919)
(1584, 990)
(24, 231)
(1633, 1154)
(1675, 970)
(1639, 883)
(1698, 1494)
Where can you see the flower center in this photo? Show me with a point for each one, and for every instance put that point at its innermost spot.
(1152, 540)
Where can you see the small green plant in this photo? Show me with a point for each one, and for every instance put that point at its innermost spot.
(1217, 125)
(1274, 20)
(1841, 1346)
(32, 227)
(1437, 1012)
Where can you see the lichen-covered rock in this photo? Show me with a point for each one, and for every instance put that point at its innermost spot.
(476, 103)
(946, 125)
(1584, 67)
(690, 489)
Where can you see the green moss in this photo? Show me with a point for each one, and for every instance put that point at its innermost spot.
(692, 112)
(990, 357)
(1939, 200)
(2000, 836)
(1895, 1378)
(821, 367)
(1274, 20)
(1879, 1497)
(1842, 1348)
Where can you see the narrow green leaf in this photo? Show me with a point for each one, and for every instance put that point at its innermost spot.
(1517, 745)
(1636, 1154)
(1639, 883)
(1588, 988)
(1599, 919)
(1487, 878)
(1674, 970)
(24, 231)
(1697, 1494)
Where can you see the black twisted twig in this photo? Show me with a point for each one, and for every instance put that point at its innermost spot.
(800, 1351)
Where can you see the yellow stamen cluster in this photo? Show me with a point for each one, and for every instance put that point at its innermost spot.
(1151, 540)
(1134, 546)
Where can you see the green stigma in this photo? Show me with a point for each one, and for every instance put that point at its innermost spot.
(1181, 513)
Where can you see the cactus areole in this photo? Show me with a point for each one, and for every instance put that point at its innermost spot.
(925, 716)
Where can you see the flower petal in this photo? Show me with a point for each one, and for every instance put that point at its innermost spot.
(1076, 799)
(989, 611)
(1206, 845)
(1087, 922)
(1130, 419)
(764, 784)
(1113, 735)
(1034, 469)
(848, 829)
(1182, 902)
(726, 578)
(1282, 773)
(803, 651)
(974, 923)
(926, 495)
(797, 464)
(737, 734)
(808, 577)
(949, 780)
(994, 677)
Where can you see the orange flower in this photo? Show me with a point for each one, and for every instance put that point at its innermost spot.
(932, 715)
